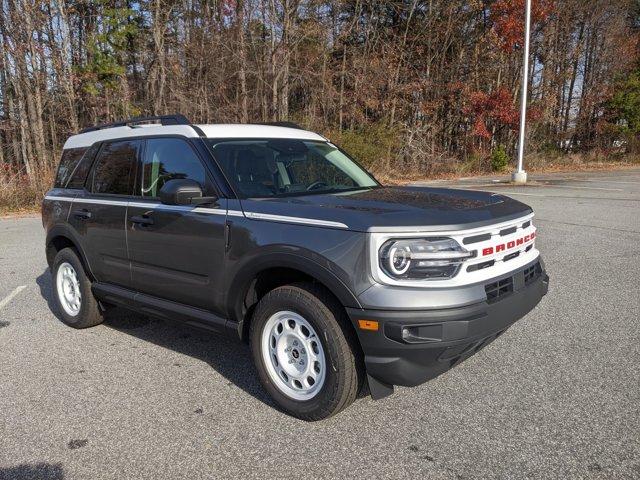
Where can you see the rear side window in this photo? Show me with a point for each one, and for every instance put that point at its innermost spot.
(70, 159)
(79, 175)
(166, 159)
(114, 170)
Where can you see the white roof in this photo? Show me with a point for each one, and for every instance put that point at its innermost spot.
(210, 130)
(231, 130)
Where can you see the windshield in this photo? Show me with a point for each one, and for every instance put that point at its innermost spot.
(287, 167)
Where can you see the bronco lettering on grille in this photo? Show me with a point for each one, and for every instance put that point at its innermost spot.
(502, 247)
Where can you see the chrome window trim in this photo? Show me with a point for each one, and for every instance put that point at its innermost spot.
(150, 205)
(213, 211)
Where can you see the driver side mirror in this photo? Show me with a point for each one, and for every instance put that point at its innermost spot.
(183, 191)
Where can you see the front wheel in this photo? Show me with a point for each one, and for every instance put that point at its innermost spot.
(305, 353)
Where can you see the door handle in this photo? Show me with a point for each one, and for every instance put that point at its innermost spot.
(142, 220)
(82, 214)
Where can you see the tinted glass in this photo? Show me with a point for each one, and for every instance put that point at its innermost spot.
(114, 170)
(70, 159)
(286, 167)
(166, 159)
(79, 175)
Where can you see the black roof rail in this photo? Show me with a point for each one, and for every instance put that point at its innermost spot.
(282, 124)
(176, 119)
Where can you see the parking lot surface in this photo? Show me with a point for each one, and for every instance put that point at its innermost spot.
(556, 396)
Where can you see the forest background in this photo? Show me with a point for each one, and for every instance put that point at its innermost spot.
(413, 89)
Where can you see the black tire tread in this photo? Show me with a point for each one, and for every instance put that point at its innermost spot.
(90, 313)
(347, 348)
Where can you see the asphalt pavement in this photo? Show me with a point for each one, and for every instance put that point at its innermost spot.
(556, 396)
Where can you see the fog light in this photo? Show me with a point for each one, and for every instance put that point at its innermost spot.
(422, 333)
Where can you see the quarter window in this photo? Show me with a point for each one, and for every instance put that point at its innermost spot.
(79, 175)
(70, 159)
(114, 171)
(167, 159)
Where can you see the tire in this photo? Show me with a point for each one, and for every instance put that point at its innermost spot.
(311, 316)
(69, 278)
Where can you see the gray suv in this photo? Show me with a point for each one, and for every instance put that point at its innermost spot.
(272, 234)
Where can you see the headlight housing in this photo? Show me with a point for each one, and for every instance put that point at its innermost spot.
(422, 258)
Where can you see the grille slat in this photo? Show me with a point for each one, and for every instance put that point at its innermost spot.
(476, 239)
(510, 256)
(480, 266)
(508, 231)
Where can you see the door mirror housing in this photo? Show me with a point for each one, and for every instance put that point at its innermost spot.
(183, 191)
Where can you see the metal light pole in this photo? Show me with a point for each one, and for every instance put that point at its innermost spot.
(520, 176)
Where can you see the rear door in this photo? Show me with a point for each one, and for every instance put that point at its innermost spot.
(99, 212)
(176, 252)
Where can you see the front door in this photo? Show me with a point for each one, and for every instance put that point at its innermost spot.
(99, 213)
(176, 252)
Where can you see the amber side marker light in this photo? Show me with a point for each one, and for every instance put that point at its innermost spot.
(368, 325)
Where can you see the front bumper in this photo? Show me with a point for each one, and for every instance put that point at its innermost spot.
(411, 347)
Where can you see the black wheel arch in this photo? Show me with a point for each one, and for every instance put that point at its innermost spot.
(242, 294)
(62, 236)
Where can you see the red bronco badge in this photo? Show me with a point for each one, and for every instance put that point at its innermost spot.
(503, 247)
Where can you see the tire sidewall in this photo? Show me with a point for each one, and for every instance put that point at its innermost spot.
(326, 328)
(67, 255)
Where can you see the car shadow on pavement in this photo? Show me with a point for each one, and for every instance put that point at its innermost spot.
(229, 357)
(30, 471)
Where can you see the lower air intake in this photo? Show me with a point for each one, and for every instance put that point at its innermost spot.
(498, 290)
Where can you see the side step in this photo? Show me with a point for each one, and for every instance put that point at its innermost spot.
(158, 307)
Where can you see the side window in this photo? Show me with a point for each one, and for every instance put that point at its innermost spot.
(70, 159)
(166, 159)
(114, 169)
(79, 175)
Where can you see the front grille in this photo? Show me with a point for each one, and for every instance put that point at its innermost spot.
(498, 290)
(532, 272)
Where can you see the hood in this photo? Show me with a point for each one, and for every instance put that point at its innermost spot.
(395, 208)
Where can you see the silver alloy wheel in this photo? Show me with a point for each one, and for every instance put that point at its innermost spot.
(293, 355)
(68, 288)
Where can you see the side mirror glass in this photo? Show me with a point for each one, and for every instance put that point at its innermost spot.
(182, 191)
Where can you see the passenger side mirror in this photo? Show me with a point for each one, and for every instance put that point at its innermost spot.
(183, 191)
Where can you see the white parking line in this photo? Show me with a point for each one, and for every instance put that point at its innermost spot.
(5, 301)
(583, 188)
(637, 182)
(528, 194)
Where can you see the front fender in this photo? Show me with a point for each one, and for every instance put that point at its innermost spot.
(284, 256)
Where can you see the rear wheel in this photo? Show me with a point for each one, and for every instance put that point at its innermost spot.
(305, 354)
(72, 291)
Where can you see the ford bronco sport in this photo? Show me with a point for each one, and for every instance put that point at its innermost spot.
(272, 234)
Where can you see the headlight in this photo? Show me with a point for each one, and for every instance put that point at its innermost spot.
(422, 258)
